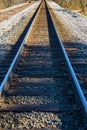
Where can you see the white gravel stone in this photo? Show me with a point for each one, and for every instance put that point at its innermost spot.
(75, 22)
(8, 26)
(28, 120)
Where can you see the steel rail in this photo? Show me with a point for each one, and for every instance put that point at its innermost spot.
(71, 70)
(18, 53)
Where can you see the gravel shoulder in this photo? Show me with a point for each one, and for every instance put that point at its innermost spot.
(28, 120)
(9, 12)
(74, 23)
(12, 28)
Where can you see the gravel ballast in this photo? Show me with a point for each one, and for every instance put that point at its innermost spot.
(26, 120)
(12, 28)
(32, 119)
(75, 23)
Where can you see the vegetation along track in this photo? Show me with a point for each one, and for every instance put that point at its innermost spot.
(41, 81)
(8, 13)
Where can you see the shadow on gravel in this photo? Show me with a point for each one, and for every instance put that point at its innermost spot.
(65, 117)
(77, 52)
(73, 14)
(19, 41)
(8, 52)
(69, 120)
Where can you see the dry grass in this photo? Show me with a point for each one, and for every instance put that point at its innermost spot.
(1, 5)
(85, 13)
(75, 5)
(6, 14)
(8, 3)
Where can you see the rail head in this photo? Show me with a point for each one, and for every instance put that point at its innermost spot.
(4, 82)
(71, 70)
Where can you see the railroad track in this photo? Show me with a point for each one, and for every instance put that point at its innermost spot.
(7, 14)
(80, 65)
(8, 52)
(41, 77)
(77, 55)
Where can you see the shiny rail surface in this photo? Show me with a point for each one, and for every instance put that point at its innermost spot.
(4, 82)
(47, 62)
(80, 93)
